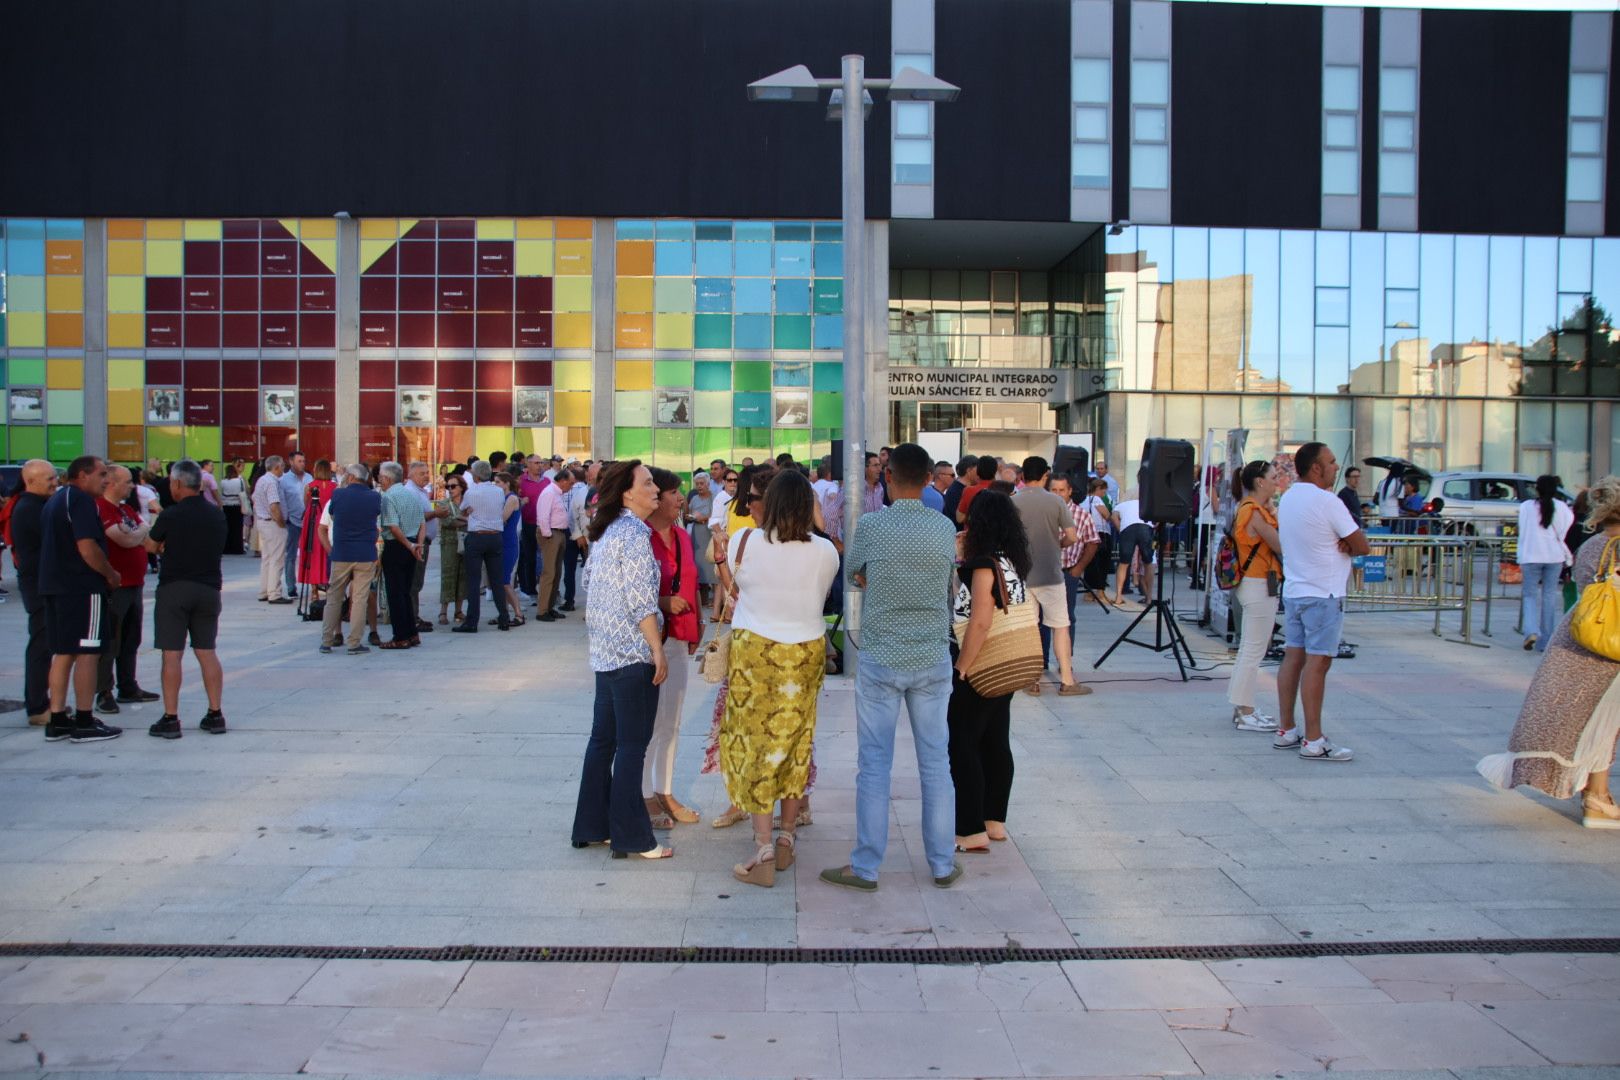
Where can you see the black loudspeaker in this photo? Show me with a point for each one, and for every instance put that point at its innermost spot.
(1073, 462)
(1167, 481)
(838, 460)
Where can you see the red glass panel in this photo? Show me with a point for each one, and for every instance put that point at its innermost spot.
(318, 442)
(416, 373)
(241, 258)
(317, 293)
(495, 408)
(455, 375)
(241, 228)
(202, 331)
(455, 228)
(534, 330)
(200, 375)
(495, 257)
(376, 374)
(239, 407)
(240, 294)
(418, 294)
(278, 372)
(456, 407)
(379, 294)
(425, 229)
(317, 331)
(455, 294)
(456, 258)
(452, 444)
(162, 294)
(415, 444)
(278, 440)
(377, 443)
(278, 294)
(317, 374)
(494, 331)
(272, 229)
(278, 331)
(532, 373)
(201, 257)
(494, 294)
(494, 375)
(241, 441)
(416, 331)
(456, 330)
(418, 257)
(239, 331)
(202, 293)
(533, 294)
(309, 263)
(162, 331)
(163, 373)
(377, 330)
(202, 407)
(317, 407)
(377, 407)
(278, 257)
(239, 375)
(387, 263)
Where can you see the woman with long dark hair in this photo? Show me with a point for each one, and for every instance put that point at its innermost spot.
(627, 654)
(995, 561)
(1259, 556)
(1543, 522)
(683, 624)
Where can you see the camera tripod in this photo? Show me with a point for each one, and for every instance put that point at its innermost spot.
(1167, 635)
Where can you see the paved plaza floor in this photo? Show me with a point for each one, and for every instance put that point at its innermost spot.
(424, 798)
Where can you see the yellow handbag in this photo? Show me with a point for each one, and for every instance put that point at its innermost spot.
(1595, 622)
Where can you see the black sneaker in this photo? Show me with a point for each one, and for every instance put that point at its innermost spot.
(557, 614)
(568, 605)
(138, 695)
(58, 727)
(213, 722)
(550, 616)
(326, 649)
(86, 729)
(105, 705)
(166, 728)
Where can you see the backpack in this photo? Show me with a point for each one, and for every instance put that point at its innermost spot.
(1227, 572)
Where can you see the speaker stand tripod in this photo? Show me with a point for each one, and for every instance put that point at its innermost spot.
(1167, 635)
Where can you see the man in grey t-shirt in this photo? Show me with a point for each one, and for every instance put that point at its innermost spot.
(1050, 530)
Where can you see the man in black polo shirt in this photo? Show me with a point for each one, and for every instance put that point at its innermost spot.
(75, 579)
(190, 535)
(39, 484)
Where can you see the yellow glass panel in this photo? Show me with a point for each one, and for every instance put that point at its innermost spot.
(533, 440)
(536, 228)
(163, 229)
(26, 329)
(672, 332)
(124, 407)
(571, 331)
(574, 257)
(290, 224)
(632, 332)
(571, 374)
(487, 440)
(126, 229)
(534, 258)
(64, 374)
(571, 409)
(126, 331)
(324, 250)
(126, 257)
(573, 228)
(633, 375)
(633, 294)
(372, 250)
(633, 258)
(126, 294)
(64, 293)
(204, 229)
(165, 258)
(571, 294)
(379, 228)
(126, 374)
(576, 440)
(318, 229)
(495, 229)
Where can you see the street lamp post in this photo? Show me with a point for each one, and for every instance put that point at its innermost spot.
(849, 104)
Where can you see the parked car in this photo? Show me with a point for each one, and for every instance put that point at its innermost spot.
(1484, 503)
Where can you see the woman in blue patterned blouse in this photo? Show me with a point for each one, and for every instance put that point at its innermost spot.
(627, 654)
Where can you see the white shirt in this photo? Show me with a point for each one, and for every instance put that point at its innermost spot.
(1544, 545)
(149, 497)
(485, 504)
(1098, 509)
(1310, 523)
(717, 512)
(1130, 513)
(1389, 498)
(822, 487)
(266, 491)
(782, 587)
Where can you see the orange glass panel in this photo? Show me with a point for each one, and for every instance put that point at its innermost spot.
(126, 229)
(64, 331)
(633, 331)
(573, 228)
(126, 442)
(634, 258)
(64, 256)
(126, 331)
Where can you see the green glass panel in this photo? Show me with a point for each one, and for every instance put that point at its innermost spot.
(795, 441)
(709, 443)
(792, 332)
(672, 373)
(751, 442)
(633, 442)
(64, 442)
(672, 449)
(27, 442)
(829, 377)
(712, 332)
(205, 443)
(27, 372)
(827, 410)
(712, 408)
(829, 296)
(672, 294)
(64, 406)
(2, 360)
(165, 443)
(712, 375)
(751, 375)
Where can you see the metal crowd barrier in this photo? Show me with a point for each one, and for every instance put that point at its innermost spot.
(1442, 571)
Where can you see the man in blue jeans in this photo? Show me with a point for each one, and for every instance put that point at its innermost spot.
(902, 557)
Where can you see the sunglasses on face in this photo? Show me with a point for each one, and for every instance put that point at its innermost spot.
(731, 479)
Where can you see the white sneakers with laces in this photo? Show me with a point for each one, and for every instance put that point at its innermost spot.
(1320, 750)
(1254, 721)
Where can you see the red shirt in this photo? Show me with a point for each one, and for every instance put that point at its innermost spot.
(129, 562)
(682, 627)
(967, 497)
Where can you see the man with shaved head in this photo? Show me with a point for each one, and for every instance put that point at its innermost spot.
(75, 579)
(39, 484)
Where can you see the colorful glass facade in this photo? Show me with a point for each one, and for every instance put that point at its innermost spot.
(42, 335)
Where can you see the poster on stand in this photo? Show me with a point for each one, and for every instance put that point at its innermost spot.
(1224, 460)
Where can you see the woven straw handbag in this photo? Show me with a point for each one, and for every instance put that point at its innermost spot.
(715, 657)
(1010, 658)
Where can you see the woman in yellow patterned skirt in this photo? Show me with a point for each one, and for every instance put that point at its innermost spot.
(778, 659)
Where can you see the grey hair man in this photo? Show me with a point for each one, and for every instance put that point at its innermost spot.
(404, 527)
(270, 525)
(349, 534)
(420, 484)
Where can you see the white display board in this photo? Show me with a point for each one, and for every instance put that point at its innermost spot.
(942, 445)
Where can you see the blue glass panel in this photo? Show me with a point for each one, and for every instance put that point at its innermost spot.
(713, 230)
(753, 295)
(751, 410)
(792, 374)
(792, 230)
(634, 230)
(1541, 309)
(829, 334)
(1366, 319)
(714, 294)
(793, 296)
(1298, 306)
(672, 257)
(675, 230)
(753, 260)
(752, 331)
(829, 230)
(712, 375)
(714, 258)
(829, 260)
(64, 229)
(792, 260)
(1260, 264)
(829, 377)
(754, 230)
(25, 256)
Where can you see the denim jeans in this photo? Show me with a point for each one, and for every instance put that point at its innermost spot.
(295, 531)
(879, 692)
(610, 802)
(1543, 601)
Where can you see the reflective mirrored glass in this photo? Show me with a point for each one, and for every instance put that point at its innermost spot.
(1341, 173)
(1298, 314)
(1571, 459)
(1398, 90)
(1150, 82)
(1434, 309)
(1575, 264)
(1332, 306)
(1397, 173)
(1586, 90)
(1401, 308)
(1092, 81)
(1540, 311)
(1367, 313)
(911, 118)
(1150, 125)
(1150, 166)
(1397, 133)
(1464, 435)
(1332, 259)
(1261, 265)
(1585, 137)
(1228, 311)
(1401, 260)
(1339, 130)
(1341, 87)
(1090, 122)
(1507, 288)
(1090, 164)
(1585, 179)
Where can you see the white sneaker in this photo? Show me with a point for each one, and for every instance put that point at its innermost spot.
(1322, 750)
(1287, 740)
(1255, 721)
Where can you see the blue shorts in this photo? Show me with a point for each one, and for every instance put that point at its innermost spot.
(1313, 623)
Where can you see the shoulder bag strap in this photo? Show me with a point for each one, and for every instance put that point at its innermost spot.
(1258, 539)
(1004, 601)
(1606, 562)
(736, 567)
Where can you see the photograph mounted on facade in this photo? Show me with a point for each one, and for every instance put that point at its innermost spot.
(674, 408)
(416, 407)
(791, 408)
(27, 406)
(163, 405)
(531, 407)
(279, 406)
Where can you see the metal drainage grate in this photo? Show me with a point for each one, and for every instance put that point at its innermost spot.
(657, 954)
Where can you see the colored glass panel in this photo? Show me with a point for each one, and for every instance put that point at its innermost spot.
(126, 407)
(672, 373)
(711, 332)
(672, 295)
(571, 374)
(632, 442)
(751, 410)
(712, 375)
(752, 332)
(827, 410)
(672, 331)
(633, 375)
(26, 371)
(712, 408)
(634, 295)
(571, 331)
(27, 442)
(64, 374)
(792, 332)
(64, 406)
(571, 409)
(633, 331)
(126, 443)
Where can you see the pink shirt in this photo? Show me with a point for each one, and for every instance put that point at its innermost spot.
(551, 512)
(530, 490)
